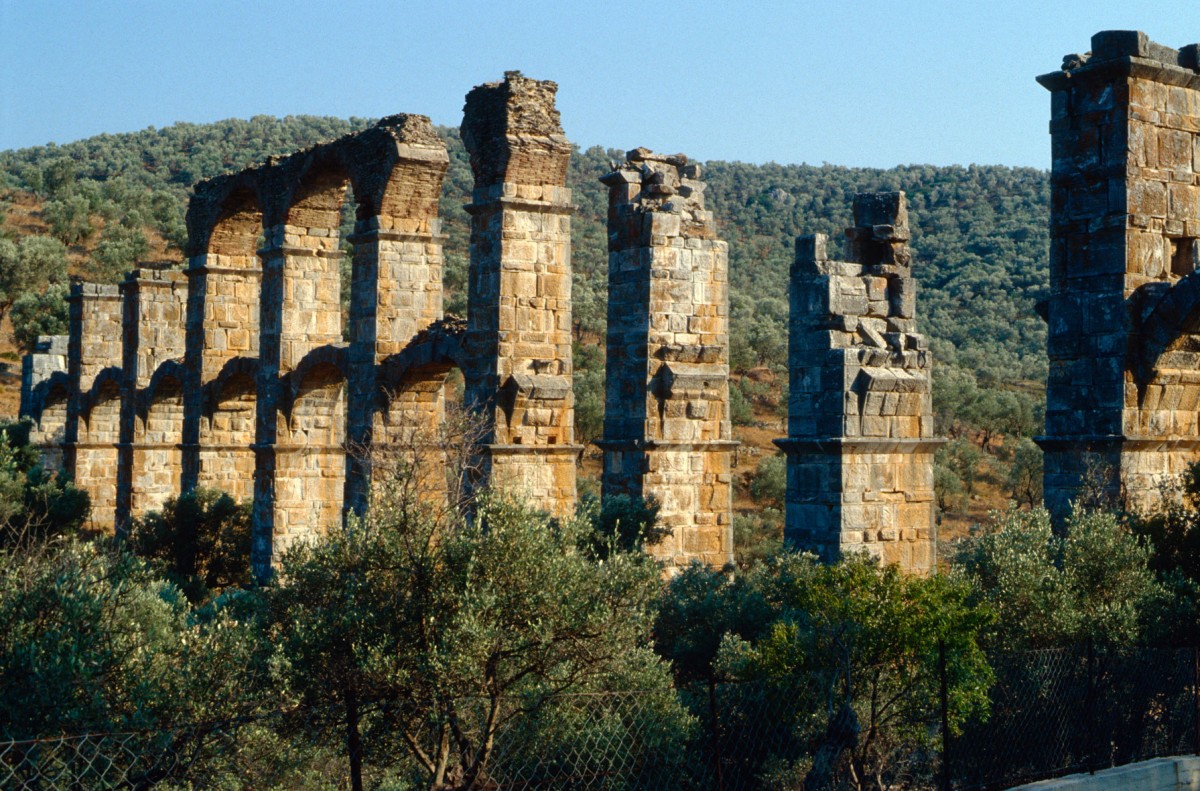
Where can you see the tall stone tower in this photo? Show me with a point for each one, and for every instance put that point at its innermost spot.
(667, 432)
(860, 414)
(518, 343)
(1124, 308)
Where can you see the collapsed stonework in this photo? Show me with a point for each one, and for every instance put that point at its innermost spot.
(860, 439)
(667, 432)
(1123, 393)
(234, 373)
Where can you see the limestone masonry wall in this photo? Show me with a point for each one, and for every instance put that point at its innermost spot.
(44, 392)
(94, 376)
(518, 339)
(150, 460)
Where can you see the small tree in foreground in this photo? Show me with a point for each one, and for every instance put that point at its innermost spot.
(202, 540)
(91, 640)
(35, 505)
(1093, 582)
(445, 635)
(844, 656)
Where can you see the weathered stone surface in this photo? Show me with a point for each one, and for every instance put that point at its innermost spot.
(518, 341)
(1124, 310)
(667, 432)
(150, 459)
(233, 373)
(860, 430)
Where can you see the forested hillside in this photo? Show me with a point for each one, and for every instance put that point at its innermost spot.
(980, 232)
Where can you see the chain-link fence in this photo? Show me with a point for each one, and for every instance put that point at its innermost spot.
(1079, 709)
(1051, 712)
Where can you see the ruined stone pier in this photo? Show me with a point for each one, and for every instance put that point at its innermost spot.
(1123, 393)
(860, 438)
(667, 433)
(518, 339)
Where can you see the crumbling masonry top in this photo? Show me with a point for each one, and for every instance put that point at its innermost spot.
(647, 188)
(512, 131)
(1128, 49)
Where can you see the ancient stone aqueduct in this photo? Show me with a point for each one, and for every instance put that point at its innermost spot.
(232, 372)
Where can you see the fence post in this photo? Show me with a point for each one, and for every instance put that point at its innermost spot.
(1089, 709)
(1196, 699)
(353, 739)
(945, 707)
(716, 730)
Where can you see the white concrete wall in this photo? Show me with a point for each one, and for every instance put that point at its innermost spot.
(1160, 774)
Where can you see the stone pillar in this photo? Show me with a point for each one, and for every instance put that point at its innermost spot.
(860, 439)
(1122, 394)
(519, 295)
(667, 432)
(396, 286)
(299, 470)
(150, 457)
(44, 397)
(93, 408)
(224, 279)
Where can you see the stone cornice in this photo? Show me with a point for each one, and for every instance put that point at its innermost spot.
(795, 446)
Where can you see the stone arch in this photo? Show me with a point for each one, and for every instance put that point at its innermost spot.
(1170, 331)
(303, 255)
(323, 357)
(225, 230)
(158, 437)
(99, 433)
(225, 219)
(1162, 400)
(48, 411)
(411, 408)
(107, 382)
(310, 456)
(397, 173)
(441, 344)
(171, 370)
(227, 429)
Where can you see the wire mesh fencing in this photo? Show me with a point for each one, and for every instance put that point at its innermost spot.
(1083, 708)
(1051, 712)
(132, 759)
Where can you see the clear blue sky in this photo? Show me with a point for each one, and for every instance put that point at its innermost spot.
(858, 82)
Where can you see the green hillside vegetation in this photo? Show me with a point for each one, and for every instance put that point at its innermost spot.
(980, 232)
(980, 236)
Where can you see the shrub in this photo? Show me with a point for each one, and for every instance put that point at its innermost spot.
(202, 540)
(769, 482)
